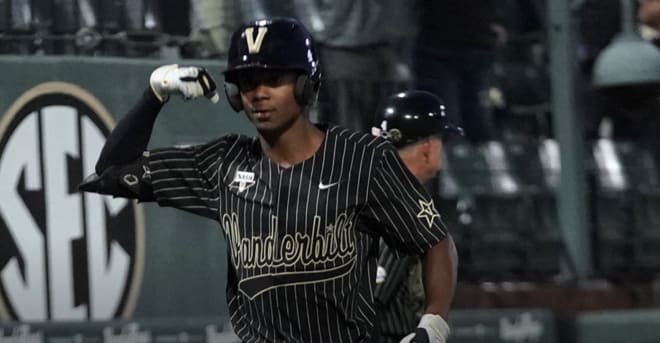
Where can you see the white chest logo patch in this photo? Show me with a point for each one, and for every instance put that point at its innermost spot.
(242, 180)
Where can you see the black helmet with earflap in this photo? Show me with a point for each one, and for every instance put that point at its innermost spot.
(276, 44)
(413, 115)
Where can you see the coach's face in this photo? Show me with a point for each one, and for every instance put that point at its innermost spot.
(268, 98)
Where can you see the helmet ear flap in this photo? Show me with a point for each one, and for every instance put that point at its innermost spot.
(301, 90)
(307, 88)
(233, 96)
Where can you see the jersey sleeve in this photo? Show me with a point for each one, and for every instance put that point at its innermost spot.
(401, 209)
(187, 178)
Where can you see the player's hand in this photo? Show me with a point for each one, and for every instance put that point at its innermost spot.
(431, 329)
(189, 82)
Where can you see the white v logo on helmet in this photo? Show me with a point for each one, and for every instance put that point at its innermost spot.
(254, 45)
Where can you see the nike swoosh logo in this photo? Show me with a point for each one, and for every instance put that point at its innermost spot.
(326, 186)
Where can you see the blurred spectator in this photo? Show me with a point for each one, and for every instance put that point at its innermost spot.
(599, 21)
(213, 22)
(454, 55)
(144, 28)
(649, 17)
(520, 90)
(176, 18)
(366, 48)
(363, 48)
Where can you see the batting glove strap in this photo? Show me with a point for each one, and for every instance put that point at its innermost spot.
(189, 82)
(432, 328)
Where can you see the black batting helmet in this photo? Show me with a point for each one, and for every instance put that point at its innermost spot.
(410, 116)
(279, 44)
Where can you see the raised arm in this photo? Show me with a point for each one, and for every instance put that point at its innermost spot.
(121, 165)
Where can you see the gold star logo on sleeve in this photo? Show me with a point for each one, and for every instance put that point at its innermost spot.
(427, 211)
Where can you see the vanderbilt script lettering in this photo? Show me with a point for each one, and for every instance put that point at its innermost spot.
(320, 246)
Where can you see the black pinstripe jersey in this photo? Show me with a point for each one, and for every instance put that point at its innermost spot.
(302, 241)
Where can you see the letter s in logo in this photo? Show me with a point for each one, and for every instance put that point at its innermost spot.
(64, 255)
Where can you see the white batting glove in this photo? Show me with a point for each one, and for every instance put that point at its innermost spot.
(189, 82)
(431, 329)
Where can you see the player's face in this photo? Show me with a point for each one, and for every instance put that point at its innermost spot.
(268, 98)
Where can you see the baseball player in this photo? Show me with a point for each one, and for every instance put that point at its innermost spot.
(415, 122)
(302, 206)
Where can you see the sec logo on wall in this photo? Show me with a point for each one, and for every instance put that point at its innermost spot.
(64, 255)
